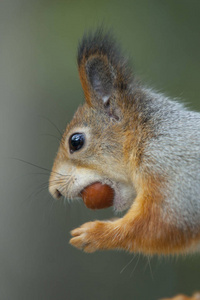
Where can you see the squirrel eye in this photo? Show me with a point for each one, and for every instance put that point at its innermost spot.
(76, 142)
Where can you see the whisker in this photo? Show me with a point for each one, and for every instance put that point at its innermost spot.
(34, 165)
(40, 189)
(48, 134)
(51, 207)
(122, 270)
(43, 188)
(58, 180)
(135, 265)
(151, 272)
(53, 125)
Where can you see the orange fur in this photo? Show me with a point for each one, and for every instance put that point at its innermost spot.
(84, 82)
(142, 229)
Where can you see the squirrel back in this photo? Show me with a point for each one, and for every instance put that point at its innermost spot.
(145, 146)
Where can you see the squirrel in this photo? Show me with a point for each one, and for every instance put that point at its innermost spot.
(145, 146)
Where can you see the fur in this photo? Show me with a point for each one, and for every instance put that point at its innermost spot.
(144, 145)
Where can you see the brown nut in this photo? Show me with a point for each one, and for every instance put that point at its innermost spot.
(98, 195)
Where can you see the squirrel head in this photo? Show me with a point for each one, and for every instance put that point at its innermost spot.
(94, 145)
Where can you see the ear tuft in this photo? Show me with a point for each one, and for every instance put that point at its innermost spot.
(103, 70)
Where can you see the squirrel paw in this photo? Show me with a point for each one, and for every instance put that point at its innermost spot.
(90, 236)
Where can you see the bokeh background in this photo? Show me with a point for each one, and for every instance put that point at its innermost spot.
(39, 91)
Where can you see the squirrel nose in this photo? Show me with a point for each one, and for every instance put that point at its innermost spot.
(55, 192)
(58, 194)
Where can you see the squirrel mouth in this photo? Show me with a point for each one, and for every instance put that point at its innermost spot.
(98, 195)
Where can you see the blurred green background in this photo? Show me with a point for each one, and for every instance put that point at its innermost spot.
(39, 87)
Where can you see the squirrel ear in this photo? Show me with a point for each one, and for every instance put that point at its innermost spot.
(100, 78)
(102, 69)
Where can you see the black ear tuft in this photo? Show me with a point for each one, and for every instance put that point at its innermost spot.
(102, 68)
(99, 41)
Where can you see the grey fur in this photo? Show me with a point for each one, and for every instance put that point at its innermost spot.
(174, 151)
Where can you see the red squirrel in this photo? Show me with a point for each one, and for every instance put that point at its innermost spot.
(143, 145)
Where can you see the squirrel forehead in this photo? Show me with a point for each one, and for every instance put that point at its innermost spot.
(86, 116)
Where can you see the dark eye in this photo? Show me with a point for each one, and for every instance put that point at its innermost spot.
(76, 141)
